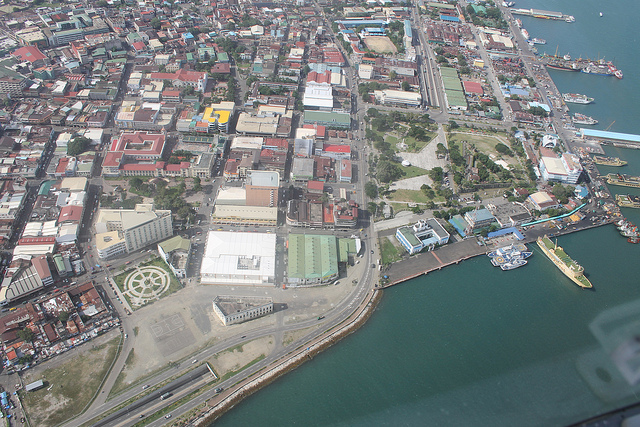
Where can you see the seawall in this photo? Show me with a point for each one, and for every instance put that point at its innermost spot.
(288, 363)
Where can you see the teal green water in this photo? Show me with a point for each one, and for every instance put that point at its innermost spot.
(472, 345)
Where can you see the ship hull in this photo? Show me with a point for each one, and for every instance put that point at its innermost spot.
(579, 279)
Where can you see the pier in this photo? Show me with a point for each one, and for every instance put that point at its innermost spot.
(543, 14)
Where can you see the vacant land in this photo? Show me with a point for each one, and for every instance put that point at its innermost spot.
(380, 44)
(485, 144)
(408, 196)
(390, 251)
(69, 386)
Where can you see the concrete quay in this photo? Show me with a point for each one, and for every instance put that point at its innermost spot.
(454, 253)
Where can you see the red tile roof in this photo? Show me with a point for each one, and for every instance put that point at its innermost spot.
(70, 213)
(140, 144)
(29, 53)
(333, 148)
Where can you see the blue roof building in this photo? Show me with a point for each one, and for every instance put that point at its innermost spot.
(353, 23)
(407, 29)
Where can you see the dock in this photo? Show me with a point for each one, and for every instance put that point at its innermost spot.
(426, 262)
(543, 14)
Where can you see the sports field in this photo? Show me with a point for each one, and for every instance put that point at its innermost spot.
(380, 44)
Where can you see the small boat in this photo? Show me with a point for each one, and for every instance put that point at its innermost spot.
(601, 14)
(513, 264)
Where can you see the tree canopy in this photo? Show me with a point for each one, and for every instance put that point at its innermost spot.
(78, 145)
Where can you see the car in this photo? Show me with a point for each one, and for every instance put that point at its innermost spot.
(194, 361)
(219, 389)
(146, 386)
(141, 416)
(126, 336)
(244, 336)
(371, 251)
(373, 266)
(167, 416)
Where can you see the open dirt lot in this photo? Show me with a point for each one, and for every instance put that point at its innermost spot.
(176, 327)
(380, 44)
(71, 380)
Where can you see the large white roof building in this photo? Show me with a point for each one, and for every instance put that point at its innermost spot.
(318, 96)
(239, 259)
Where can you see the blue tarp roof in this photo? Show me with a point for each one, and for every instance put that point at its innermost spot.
(504, 231)
(449, 18)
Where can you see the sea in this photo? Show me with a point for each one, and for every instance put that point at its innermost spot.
(472, 345)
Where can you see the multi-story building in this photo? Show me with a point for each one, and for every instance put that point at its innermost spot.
(425, 233)
(231, 310)
(128, 230)
(12, 85)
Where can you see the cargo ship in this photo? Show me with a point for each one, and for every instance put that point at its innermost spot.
(581, 119)
(568, 266)
(577, 98)
(623, 180)
(608, 161)
(628, 201)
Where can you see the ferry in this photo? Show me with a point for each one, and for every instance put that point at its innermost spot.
(577, 98)
(581, 119)
(564, 262)
(536, 40)
(628, 201)
(525, 34)
(623, 180)
(608, 161)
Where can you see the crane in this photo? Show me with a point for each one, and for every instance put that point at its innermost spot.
(609, 127)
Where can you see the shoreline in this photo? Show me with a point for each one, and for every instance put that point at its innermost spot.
(306, 352)
(297, 357)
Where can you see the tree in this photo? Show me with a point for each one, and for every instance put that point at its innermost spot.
(406, 86)
(436, 174)
(77, 145)
(156, 24)
(197, 184)
(386, 171)
(503, 149)
(135, 182)
(26, 334)
(63, 316)
(392, 75)
(371, 190)
(453, 125)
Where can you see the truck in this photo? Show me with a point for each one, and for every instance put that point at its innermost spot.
(166, 396)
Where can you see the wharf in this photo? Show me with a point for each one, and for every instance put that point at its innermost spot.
(454, 253)
(543, 14)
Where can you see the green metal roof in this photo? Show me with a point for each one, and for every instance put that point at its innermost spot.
(346, 247)
(45, 187)
(312, 256)
(176, 242)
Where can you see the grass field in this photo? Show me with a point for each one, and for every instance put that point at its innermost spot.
(412, 171)
(414, 146)
(390, 253)
(407, 196)
(70, 386)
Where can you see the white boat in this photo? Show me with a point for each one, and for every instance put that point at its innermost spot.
(513, 264)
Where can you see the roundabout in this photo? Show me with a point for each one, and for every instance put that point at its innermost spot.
(146, 283)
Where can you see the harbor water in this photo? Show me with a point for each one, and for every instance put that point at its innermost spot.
(474, 345)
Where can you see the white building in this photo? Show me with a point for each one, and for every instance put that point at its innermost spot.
(239, 259)
(398, 97)
(175, 252)
(424, 233)
(231, 310)
(566, 169)
(318, 96)
(129, 230)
